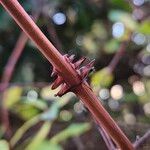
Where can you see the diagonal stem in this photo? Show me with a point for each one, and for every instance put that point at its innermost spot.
(141, 140)
(102, 117)
(106, 139)
(118, 56)
(70, 75)
(109, 143)
(9, 68)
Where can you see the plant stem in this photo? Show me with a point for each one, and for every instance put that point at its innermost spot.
(52, 32)
(112, 65)
(7, 75)
(106, 138)
(141, 141)
(9, 68)
(101, 116)
(69, 74)
(110, 145)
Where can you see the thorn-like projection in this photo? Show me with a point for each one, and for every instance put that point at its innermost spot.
(64, 89)
(54, 72)
(82, 72)
(71, 58)
(57, 82)
(79, 62)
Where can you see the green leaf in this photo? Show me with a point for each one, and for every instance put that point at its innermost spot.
(98, 30)
(111, 46)
(20, 132)
(102, 78)
(12, 96)
(124, 17)
(89, 43)
(75, 129)
(40, 136)
(121, 4)
(4, 145)
(38, 103)
(25, 111)
(145, 27)
(46, 145)
(2, 131)
(130, 97)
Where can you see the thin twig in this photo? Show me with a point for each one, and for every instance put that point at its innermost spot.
(51, 28)
(7, 75)
(117, 56)
(107, 139)
(142, 140)
(15, 55)
(52, 32)
(78, 142)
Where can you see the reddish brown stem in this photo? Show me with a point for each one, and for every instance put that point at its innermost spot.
(117, 56)
(69, 74)
(7, 75)
(103, 118)
(9, 69)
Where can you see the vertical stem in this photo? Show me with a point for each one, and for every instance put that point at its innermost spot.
(52, 32)
(9, 68)
(7, 75)
(117, 56)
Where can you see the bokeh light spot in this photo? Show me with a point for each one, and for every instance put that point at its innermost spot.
(59, 18)
(32, 95)
(114, 105)
(138, 2)
(138, 88)
(130, 118)
(104, 94)
(138, 38)
(118, 29)
(65, 115)
(116, 92)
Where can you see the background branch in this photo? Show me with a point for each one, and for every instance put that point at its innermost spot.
(142, 140)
